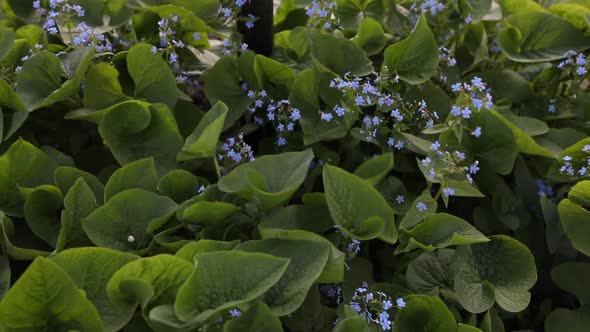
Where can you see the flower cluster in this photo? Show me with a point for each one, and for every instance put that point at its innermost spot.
(235, 150)
(390, 110)
(168, 28)
(321, 15)
(572, 167)
(575, 62)
(441, 165)
(280, 114)
(375, 307)
(479, 98)
(445, 56)
(432, 7)
(61, 13)
(544, 188)
(332, 291)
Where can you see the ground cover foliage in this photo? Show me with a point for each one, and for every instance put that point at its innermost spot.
(392, 165)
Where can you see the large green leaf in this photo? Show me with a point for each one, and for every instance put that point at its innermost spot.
(78, 202)
(222, 83)
(46, 298)
(91, 269)
(340, 55)
(203, 140)
(502, 271)
(6, 40)
(269, 180)
(39, 77)
(134, 130)
(537, 35)
(570, 277)
(303, 222)
(13, 111)
(224, 279)
(148, 280)
(358, 208)
(424, 313)
(41, 207)
(431, 271)
(575, 218)
(370, 36)
(257, 318)
(140, 174)
(375, 169)
(439, 231)
(66, 177)
(189, 251)
(22, 165)
(153, 78)
(307, 262)
(103, 88)
(415, 58)
(127, 219)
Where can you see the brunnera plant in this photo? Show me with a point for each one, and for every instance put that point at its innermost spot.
(327, 165)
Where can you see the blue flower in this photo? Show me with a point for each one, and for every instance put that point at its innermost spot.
(581, 71)
(390, 141)
(387, 305)
(456, 110)
(384, 321)
(435, 146)
(281, 141)
(326, 117)
(250, 24)
(235, 313)
(476, 132)
(154, 50)
(400, 199)
(339, 110)
(448, 192)
(400, 303)
(173, 58)
(421, 207)
(295, 114)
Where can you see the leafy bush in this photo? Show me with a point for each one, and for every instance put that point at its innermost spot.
(392, 165)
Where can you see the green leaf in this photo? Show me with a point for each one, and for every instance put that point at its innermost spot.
(224, 279)
(340, 55)
(180, 185)
(570, 277)
(149, 280)
(514, 6)
(375, 169)
(424, 313)
(269, 180)
(203, 140)
(351, 324)
(537, 35)
(358, 208)
(91, 269)
(272, 75)
(4, 274)
(102, 87)
(46, 298)
(41, 207)
(415, 216)
(575, 221)
(572, 12)
(133, 130)
(207, 213)
(39, 77)
(524, 142)
(140, 174)
(12, 111)
(78, 203)
(307, 262)
(299, 222)
(305, 97)
(14, 252)
(76, 64)
(134, 213)
(257, 318)
(415, 58)
(189, 251)
(6, 40)
(370, 36)
(502, 270)
(431, 271)
(439, 231)
(153, 78)
(222, 83)
(23, 165)
(66, 177)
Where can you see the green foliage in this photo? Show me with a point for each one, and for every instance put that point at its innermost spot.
(416, 165)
